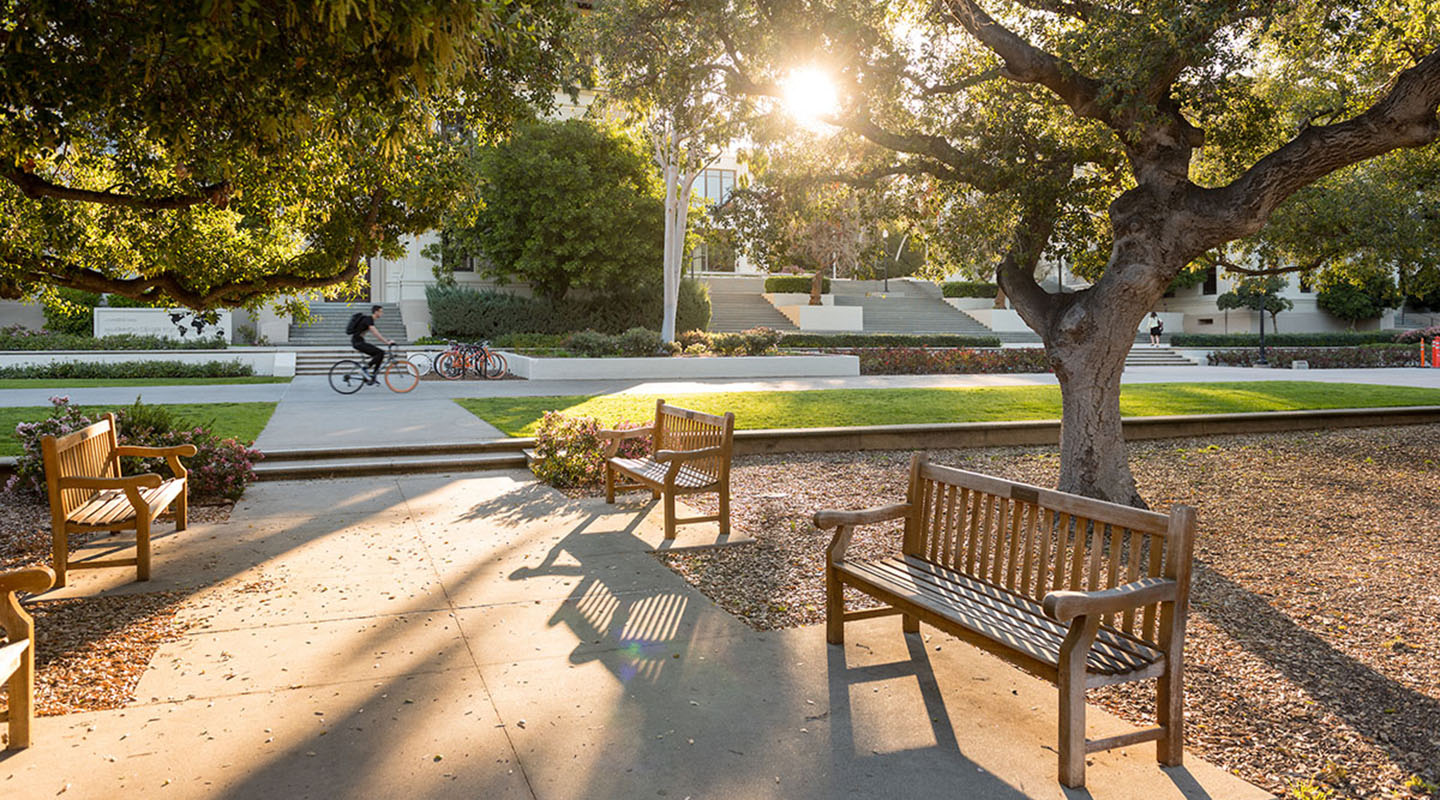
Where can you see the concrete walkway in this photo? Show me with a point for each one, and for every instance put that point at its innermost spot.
(481, 636)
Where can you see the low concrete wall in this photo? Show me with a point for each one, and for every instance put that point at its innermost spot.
(825, 318)
(1000, 320)
(970, 303)
(543, 369)
(264, 360)
(1047, 432)
(14, 312)
(158, 322)
(779, 299)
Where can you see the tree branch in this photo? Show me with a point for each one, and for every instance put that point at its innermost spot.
(35, 187)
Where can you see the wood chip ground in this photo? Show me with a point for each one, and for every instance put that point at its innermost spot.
(1313, 658)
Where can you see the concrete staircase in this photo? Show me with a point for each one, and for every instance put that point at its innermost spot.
(328, 328)
(908, 307)
(304, 464)
(736, 304)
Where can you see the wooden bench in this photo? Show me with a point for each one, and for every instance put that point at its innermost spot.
(1076, 591)
(689, 454)
(87, 493)
(17, 653)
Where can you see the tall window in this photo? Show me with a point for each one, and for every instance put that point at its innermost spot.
(1211, 281)
(715, 185)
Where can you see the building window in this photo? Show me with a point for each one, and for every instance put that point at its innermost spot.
(712, 257)
(715, 185)
(1211, 282)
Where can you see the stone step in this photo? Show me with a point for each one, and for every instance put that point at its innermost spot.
(299, 464)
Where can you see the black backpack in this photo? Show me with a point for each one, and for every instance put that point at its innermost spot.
(355, 326)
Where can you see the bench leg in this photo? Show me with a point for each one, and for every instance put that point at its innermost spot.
(61, 553)
(1073, 655)
(910, 623)
(725, 509)
(834, 607)
(669, 515)
(1170, 714)
(609, 484)
(142, 546)
(21, 687)
(182, 509)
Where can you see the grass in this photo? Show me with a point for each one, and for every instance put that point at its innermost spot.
(242, 421)
(72, 383)
(517, 416)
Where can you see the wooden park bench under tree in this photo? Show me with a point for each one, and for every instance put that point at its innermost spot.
(17, 651)
(88, 493)
(689, 454)
(1079, 592)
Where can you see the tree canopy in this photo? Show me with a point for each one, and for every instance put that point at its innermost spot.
(218, 153)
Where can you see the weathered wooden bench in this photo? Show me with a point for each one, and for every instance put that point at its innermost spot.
(689, 454)
(87, 493)
(1076, 591)
(17, 651)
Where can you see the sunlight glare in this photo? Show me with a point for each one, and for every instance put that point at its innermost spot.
(810, 95)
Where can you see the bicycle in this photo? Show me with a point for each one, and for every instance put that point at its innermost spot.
(477, 358)
(347, 375)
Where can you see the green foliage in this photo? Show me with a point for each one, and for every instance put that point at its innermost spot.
(592, 344)
(241, 150)
(1357, 297)
(130, 369)
(1366, 357)
(18, 338)
(692, 310)
(794, 284)
(570, 452)
(969, 289)
(639, 342)
(951, 361)
(1335, 339)
(561, 206)
(70, 311)
(464, 313)
(1256, 294)
(810, 340)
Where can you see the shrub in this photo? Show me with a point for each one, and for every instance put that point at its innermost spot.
(464, 313)
(17, 337)
(1358, 298)
(1335, 339)
(759, 341)
(592, 344)
(221, 469)
(639, 342)
(1418, 335)
(727, 344)
(697, 349)
(70, 311)
(130, 369)
(533, 340)
(926, 361)
(794, 284)
(569, 451)
(969, 289)
(1388, 355)
(692, 310)
(886, 340)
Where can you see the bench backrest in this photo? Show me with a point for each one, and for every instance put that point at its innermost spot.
(1031, 541)
(683, 429)
(89, 451)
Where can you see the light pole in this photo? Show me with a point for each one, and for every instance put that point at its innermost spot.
(1264, 303)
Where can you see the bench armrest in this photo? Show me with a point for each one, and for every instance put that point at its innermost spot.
(666, 456)
(614, 437)
(32, 580)
(824, 520)
(1065, 606)
(156, 452)
(147, 481)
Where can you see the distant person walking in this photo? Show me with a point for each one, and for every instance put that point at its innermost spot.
(359, 325)
(1157, 327)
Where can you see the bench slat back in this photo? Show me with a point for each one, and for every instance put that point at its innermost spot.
(1032, 541)
(683, 429)
(88, 452)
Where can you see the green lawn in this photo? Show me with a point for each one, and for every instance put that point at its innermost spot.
(516, 416)
(71, 383)
(242, 421)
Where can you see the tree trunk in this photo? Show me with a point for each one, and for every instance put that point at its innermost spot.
(1093, 457)
(999, 298)
(817, 286)
(667, 324)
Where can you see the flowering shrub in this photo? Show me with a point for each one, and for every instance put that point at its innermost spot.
(948, 361)
(1418, 335)
(220, 470)
(1322, 357)
(569, 451)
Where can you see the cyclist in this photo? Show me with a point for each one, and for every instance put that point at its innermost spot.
(359, 325)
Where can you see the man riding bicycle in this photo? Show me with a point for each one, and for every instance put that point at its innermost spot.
(359, 325)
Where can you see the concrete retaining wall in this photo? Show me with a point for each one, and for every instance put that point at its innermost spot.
(264, 360)
(540, 369)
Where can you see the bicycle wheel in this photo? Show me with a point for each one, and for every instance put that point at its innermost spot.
(450, 365)
(401, 376)
(422, 362)
(495, 365)
(346, 376)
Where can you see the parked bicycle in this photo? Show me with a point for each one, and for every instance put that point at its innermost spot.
(348, 376)
(477, 359)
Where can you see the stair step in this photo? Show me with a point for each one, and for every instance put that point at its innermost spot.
(281, 470)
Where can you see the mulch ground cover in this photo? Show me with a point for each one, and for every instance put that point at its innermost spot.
(1313, 653)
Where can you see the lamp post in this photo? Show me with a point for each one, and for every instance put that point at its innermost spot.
(1264, 303)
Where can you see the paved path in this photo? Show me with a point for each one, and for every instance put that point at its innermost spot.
(480, 636)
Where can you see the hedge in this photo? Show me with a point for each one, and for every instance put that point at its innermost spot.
(960, 361)
(886, 340)
(464, 313)
(1336, 339)
(1392, 355)
(17, 338)
(130, 369)
(969, 289)
(794, 284)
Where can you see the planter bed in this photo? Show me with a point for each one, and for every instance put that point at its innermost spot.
(267, 361)
(684, 367)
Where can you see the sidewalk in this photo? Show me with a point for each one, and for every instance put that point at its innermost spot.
(482, 636)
